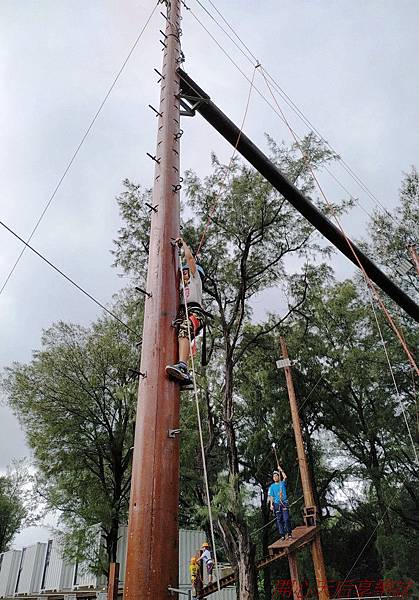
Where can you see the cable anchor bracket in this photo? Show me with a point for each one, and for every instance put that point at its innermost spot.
(135, 373)
(189, 104)
(180, 59)
(283, 362)
(177, 592)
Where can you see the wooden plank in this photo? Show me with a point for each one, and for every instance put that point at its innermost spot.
(299, 534)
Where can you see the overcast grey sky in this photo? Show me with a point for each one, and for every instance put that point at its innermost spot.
(350, 66)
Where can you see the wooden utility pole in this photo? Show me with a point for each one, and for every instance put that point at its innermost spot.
(297, 590)
(310, 510)
(113, 580)
(152, 553)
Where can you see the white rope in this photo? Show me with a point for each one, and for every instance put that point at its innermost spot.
(198, 413)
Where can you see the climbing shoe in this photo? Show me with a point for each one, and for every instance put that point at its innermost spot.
(178, 371)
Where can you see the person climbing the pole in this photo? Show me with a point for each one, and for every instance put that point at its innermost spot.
(206, 558)
(277, 498)
(191, 319)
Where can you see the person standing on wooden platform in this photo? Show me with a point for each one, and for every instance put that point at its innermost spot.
(277, 498)
(206, 558)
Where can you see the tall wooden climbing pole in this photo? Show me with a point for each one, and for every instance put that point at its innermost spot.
(152, 554)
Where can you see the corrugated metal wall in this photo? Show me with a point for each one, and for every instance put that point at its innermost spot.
(84, 577)
(190, 542)
(42, 564)
(31, 569)
(67, 577)
(121, 552)
(58, 574)
(228, 593)
(87, 579)
(9, 568)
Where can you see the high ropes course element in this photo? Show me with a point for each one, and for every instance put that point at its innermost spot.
(152, 549)
(302, 536)
(201, 102)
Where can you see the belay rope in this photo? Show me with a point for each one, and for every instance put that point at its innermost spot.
(201, 439)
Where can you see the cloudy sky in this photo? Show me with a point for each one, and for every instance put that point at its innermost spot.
(349, 65)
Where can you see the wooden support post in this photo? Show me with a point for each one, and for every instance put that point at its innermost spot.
(302, 459)
(295, 579)
(113, 581)
(316, 548)
(319, 568)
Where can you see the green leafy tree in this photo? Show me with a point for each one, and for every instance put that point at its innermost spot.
(13, 504)
(393, 235)
(76, 402)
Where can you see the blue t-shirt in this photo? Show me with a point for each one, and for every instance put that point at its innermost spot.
(275, 489)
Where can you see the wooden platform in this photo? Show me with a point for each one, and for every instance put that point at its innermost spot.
(300, 536)
(279, 549)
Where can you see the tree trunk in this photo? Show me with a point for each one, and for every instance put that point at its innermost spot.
(228, 413)
(247, 583)
(111, 538)
(242, 553)
(241, 550)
